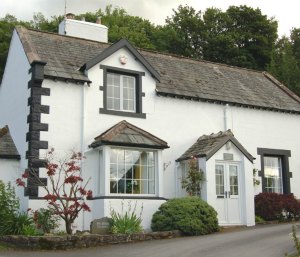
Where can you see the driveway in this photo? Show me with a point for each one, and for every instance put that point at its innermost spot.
(261, 241)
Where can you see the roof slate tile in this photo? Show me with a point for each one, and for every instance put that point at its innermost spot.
(8, 149)
(182, 77)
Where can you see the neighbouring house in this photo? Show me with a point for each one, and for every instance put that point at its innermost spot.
(139, 116)
(9, 157)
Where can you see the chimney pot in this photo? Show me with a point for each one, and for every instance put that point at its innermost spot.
(98, 21)
(70, 16)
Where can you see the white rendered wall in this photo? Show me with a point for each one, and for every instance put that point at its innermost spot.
(9, 171)
(13, 107)
(179, 122)
(145, 208)
(14, 94)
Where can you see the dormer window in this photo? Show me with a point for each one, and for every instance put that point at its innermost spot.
(122, 92)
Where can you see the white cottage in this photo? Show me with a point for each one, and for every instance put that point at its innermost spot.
(138, 116)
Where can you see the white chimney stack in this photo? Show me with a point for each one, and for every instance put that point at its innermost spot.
(82, 29)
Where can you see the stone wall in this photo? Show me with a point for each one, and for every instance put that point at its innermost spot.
(81, 241)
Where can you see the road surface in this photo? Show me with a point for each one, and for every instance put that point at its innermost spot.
(261, 241)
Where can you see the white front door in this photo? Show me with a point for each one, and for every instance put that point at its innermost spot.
(228, 194)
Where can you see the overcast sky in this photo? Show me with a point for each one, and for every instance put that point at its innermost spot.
(286, 12)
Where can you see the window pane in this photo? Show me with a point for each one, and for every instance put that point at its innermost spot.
(121, 92)
(110, 104)
(151, 187)
(131, 173)
(110, 91)
(233, 180)
(128, 93)
(116, 92)
(273, 174)
(116, 105)
(219, 179)
(113, 91)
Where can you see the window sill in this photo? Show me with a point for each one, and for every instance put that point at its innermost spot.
(121, 113)
(126, 196)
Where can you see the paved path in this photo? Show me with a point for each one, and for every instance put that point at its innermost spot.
(261, 241)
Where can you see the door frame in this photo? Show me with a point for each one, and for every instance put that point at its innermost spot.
(241, 189)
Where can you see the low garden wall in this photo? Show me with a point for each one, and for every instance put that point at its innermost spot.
(81, 241)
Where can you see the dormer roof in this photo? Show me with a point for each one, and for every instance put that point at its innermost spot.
(123, 43)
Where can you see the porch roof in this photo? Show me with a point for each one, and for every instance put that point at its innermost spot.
(208, 145)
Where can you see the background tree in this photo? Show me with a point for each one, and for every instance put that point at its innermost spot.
(284, 65)
(122, 25)
(41, 23)
(189, 28)
(240, 36)
(7, 25)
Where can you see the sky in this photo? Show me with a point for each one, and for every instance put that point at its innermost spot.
(285, 12)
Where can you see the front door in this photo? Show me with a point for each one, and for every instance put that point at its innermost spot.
(228, 190)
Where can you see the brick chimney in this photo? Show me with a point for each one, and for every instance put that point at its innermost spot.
(82, 29)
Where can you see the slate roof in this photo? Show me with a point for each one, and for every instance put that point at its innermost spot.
(179, 76)
(8, 149)
(126, 134)
(208, 145)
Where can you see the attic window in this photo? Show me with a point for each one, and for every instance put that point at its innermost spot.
(122, 92)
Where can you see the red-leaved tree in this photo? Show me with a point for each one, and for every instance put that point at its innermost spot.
(66, 193)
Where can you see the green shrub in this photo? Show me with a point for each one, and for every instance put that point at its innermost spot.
(296, 239)
(190, 215)
(45, 220)
(127, 222)
(18, 224)
(13, 222)
(9, 203)
(259, 219)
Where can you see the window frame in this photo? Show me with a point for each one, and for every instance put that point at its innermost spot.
(131, 195)
(286, 174)
(156, 176)
(138, 113)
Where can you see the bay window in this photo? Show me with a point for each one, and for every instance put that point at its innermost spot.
(132, 171)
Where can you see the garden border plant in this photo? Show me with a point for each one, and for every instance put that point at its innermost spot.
(13, 222)
(66, 193)
(273, 206)
(194, 179)
(190, 215)
(126, 222)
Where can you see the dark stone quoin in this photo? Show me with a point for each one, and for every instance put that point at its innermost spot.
(35, 127)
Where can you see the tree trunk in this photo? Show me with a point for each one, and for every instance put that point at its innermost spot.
(68, 227)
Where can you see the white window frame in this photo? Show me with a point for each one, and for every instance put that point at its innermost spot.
(156, 177)
(273, 189)
(122, 76)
